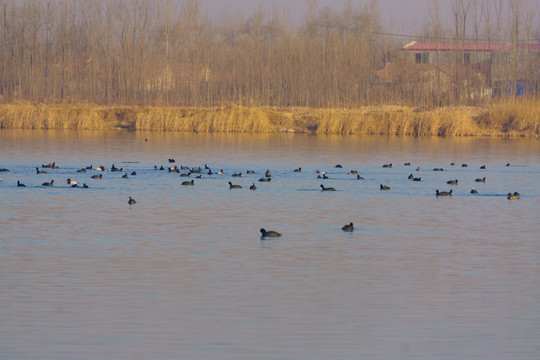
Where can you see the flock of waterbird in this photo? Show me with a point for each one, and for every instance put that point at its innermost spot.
(186, 171)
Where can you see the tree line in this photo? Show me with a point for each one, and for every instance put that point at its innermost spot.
(143, 52)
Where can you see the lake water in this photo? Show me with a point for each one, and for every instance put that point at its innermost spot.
(184, 274)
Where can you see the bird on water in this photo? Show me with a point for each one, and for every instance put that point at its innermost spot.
(233, 186)
(514, 196)
(348, 227)
(270, 233)
(327, 188)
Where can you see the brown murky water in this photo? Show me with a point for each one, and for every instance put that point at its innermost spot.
(183, 274)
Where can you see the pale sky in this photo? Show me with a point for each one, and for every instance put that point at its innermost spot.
(398, 15)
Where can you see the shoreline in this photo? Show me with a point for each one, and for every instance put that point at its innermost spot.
(517, 118)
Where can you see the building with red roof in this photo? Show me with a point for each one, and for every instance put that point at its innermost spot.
(478, 69)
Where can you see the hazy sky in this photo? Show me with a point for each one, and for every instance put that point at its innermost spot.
(397, 15)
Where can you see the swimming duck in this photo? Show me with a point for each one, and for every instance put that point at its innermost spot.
(220, 172)
(348, 227)
(443, 193)
(474, 191)
(50, 166)
(358, 177)
(353, 172)
(410, 177)
(237, 175)
(384, 187)
(85, 186)
(418, 169)
(189, 183)
(4, 170)
(438, 169)
(407, 164)
(452, 182)
(417, 179)
(387, 166)
(40, 171)
(81, 170)
(233, 186)
(268, 173)
(464, 165)
(483, 167)
(71, 182)
(338, 166)
(253, 187)
(298, 170)
(327, 188)
(514, 196)
(265, 179)
(19, 184)
(172, 160)
(100, 176)
(482, 180)
(133, 173)
(131, 201)
(125, 176)
(250, 171)
(269, 233)
(185, 174)
(48, 183)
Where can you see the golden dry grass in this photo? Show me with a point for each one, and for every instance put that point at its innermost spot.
(508, 118)
(517, 117)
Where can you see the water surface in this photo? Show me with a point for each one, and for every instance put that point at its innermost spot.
(184, 274)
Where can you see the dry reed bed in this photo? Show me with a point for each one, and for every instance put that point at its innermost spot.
(509, 118)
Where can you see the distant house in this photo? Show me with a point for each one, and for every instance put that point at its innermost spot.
(482, 69)
(426, 79)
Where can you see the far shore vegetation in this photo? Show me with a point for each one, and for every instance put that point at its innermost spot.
(511, 118)
(167, 66)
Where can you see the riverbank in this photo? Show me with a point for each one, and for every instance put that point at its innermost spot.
(509, 118)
